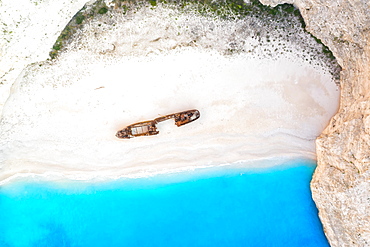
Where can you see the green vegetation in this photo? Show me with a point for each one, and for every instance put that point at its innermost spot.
(325, 49)
(153, 2)
(103, 10)
(341, 40)
(239, 9)
(77, 22)
(80, 18)
(58, 45)
(224, 9)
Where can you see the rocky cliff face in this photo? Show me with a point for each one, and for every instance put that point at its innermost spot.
(341, 183)
(341, 186)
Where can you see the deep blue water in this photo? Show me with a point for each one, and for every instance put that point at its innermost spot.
(216, 207)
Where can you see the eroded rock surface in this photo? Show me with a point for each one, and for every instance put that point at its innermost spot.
(341, 183)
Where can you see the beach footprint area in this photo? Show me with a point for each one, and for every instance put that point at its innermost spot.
(264, 89)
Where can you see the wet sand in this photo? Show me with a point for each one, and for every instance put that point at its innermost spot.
(60, 121)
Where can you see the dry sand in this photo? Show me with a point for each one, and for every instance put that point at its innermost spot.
(61, 117)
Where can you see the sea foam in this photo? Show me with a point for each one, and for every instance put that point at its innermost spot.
(263, 91)
(222, 207)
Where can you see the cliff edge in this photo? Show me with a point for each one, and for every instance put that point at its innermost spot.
(341, 183)
(340, 186)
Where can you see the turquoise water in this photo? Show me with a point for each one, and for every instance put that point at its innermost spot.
(216, 207)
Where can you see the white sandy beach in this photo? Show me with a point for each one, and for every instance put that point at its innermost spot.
(61, 117)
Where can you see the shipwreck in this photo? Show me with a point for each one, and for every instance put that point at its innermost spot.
(148, 128)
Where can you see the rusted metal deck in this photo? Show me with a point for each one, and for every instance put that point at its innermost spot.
(148, 128)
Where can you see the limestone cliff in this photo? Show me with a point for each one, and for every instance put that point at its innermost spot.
(341, 183)
(340, 186)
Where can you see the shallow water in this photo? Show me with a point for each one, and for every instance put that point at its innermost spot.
(259, 96)
(263, 90)
(214, 207)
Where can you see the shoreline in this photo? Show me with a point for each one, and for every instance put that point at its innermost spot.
(68, 130)
(206, 200)
(111, 175)
(61, 118)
